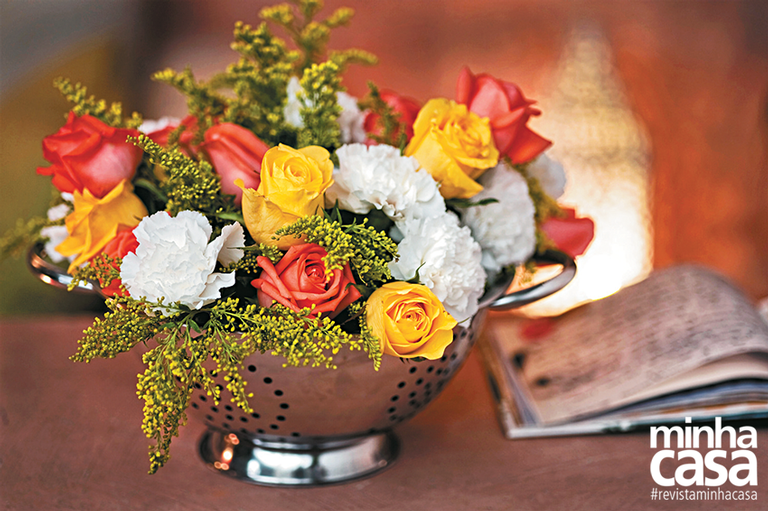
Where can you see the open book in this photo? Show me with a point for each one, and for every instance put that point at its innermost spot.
(682, 343)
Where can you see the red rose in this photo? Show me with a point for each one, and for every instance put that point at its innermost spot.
(570, 234)
(407, 108)
(87, 154)
(235, 153)
(505, 106)
(160, 137)
(122, 244)
(299, 281)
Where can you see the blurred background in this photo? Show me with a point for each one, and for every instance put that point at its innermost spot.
(658, 109)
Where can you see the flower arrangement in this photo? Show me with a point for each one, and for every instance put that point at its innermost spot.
(283, 215)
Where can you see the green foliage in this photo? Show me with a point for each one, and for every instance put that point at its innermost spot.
(102, 269)
(225, 334)
(84, 104)
(259, 80)
(388, 121)
(367, 250)
(203, 102)
(311, 36)
(468, 203)
(545, 206)
(370, 342)
(320, 110)
(189, 185)
(17, 240)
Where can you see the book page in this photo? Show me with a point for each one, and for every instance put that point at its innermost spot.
(607, 353)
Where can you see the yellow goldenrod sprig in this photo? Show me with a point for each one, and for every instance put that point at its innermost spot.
(84, 104)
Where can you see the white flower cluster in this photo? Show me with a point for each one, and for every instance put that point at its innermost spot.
(379, 177)
(174, 259)
(56, 234)
(506, 229)
(447, 259)
(350, 121)
(549, 173)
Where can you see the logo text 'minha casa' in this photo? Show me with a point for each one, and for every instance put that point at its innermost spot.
(716, 440)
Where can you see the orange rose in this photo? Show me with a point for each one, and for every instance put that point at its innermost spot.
(409, 321)
(86, 154)
(235, 153)
(508, 110)
(299, 281)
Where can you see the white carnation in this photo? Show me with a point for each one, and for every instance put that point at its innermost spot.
(447, 259)
(550, 174)
(174, 259)
(350, 121)
(505, 229)
(56, 234)
(379, 177)
(151, 125)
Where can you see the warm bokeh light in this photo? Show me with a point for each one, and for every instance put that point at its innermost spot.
(606, 156)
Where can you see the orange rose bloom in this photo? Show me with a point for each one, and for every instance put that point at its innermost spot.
(299, 281)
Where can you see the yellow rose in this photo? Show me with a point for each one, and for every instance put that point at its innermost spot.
(409, 321)
(292, 186)
(454, 145)
(94, 222)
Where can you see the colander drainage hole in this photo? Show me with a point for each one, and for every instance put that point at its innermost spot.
(225, 425)
(294, 434)
(243, 419)
(392, 409)
(198, 386)
(252, 368)
(278, 393)
(267, 380)
(412, 394)
(208, 418)
(255, 415)
(214, 409)
(394, 398)
(419, 381)
(393, 417)
(453, 356)
(430, 369)
(229, 417)
(284, 406)
(243, 431)
(280, 418)
(401, 385)
(274, 426)
(203, 398)
(260, 431)
(194, 405)
(412, 370)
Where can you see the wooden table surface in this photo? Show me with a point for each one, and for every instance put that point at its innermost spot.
(70, 439)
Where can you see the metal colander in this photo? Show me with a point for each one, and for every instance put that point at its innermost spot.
(315, 426)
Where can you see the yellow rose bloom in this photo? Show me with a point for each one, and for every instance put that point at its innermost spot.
(94, 222)
(454, 145)
(409, 321)
(293, 182)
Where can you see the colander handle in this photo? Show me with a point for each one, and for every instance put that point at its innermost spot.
(543, 289)
(52, 274)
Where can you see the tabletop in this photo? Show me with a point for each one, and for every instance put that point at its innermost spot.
(70, 439)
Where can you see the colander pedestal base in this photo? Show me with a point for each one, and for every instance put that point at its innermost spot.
(297, 464)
